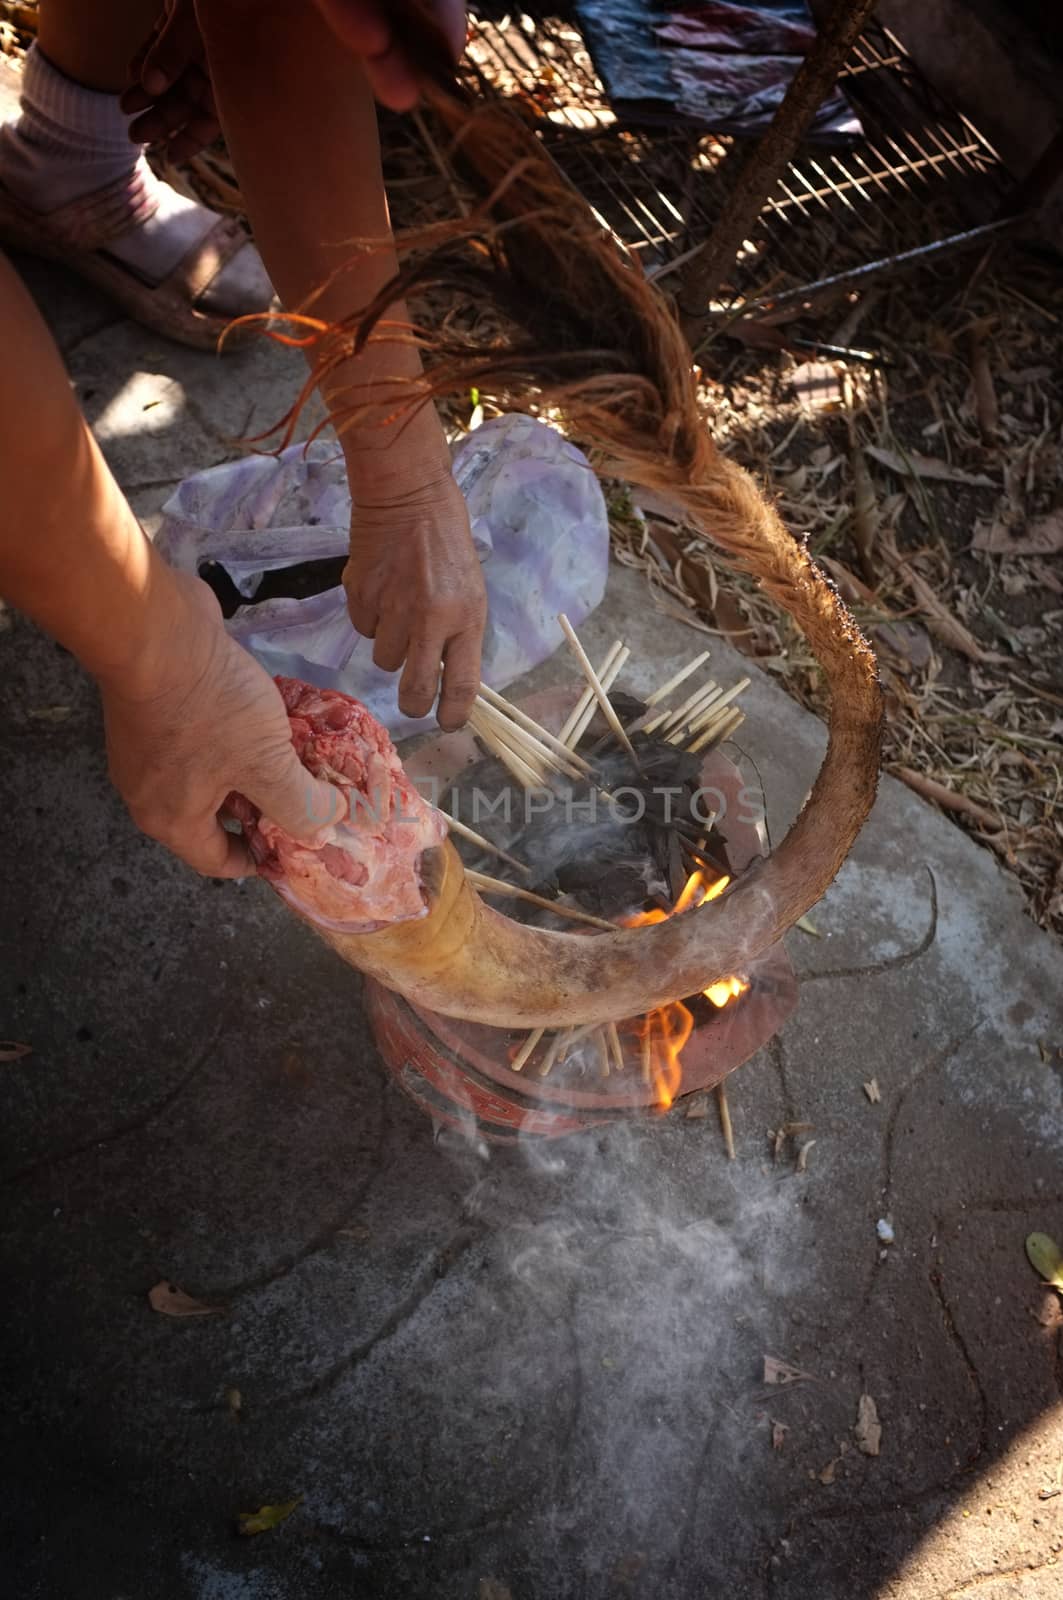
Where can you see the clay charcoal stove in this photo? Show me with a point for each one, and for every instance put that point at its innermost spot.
(619, 845)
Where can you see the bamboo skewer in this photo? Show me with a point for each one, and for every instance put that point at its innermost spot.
(677, 678)
(603, 1053)
(519, 739)
(511, 891)
(587, 697)
(463, 829)
(725, 729)
(696, 706)
(604, 702)
(515, 765)
(722, 703)
(546, 1065)
(524, 1054)
(668, 719)
(587, 700)
(567, 757)
(704, 717)
(725, 1120)
(615, 1046)
(515, 740)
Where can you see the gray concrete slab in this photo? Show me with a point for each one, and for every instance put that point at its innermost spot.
(532, 1373)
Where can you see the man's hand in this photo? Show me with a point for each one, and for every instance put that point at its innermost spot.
(170, 93)
(414, 585)
(198, 719)
(365, 27)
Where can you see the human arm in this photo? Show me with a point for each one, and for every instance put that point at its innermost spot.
(301, 128)
(189, 715)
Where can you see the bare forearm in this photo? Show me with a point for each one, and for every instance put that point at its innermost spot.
(72, 554)
(301, 127)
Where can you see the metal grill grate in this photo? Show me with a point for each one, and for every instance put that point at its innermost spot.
(920, 173)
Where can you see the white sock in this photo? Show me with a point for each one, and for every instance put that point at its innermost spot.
(70, 141)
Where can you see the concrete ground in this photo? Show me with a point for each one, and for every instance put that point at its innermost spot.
(540, 1373)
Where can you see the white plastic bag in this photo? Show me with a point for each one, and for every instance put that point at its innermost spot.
(538, 521)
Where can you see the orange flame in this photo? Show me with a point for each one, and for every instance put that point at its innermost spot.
(664, 1032)
(727, 989)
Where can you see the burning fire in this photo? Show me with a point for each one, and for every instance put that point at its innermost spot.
(664, 1032)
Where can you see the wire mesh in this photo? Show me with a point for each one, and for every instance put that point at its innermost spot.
(921, 171)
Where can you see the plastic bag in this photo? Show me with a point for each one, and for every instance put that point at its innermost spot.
(538, 520)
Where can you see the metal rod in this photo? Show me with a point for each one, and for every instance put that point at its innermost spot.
(921, 252)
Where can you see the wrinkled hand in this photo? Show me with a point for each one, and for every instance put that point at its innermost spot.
(170, 86)
(170, 93)
(199, 719)
(414, 584)
(365, 27)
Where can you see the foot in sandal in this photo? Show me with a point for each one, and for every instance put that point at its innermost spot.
(73, 188)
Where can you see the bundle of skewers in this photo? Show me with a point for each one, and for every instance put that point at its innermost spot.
(535, 758)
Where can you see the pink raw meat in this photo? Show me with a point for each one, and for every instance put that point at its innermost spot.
(365, 874)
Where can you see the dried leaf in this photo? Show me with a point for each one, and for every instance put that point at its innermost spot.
(865, 512)
(808, 926)
(697, 1105)
(1046, 1259)
(985, 398)
(782, 1373)
(171, 1301)
(11, 1050)
(868, 1429)
(491, 1589)
(826, 1476)
(871, 1089)
(1042, 536)
(914, 465)
(802, 1155)
(266, 1517)
(779, 1430)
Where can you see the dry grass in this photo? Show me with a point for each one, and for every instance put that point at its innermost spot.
(970, 642)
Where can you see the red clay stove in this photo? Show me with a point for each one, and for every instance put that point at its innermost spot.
(460, 1073)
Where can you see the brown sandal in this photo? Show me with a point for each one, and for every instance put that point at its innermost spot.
(77, 235)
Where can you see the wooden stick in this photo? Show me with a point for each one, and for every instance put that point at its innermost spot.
(709, 265)
(646, 1045)
(604, 702)
(615, 1046)
(520, 740)
(679, 677)
(732, 694)
(930, 789)
(576, 1035)
(462, 828)
(489, 885)
(544, 736)
(664, 720)
(725, 1120)
(706, 715)
(695, 706)
(590, 705)
(586, 699)
(546, 1065)
(718, 730)
(514, 738)
(523, 1055)
(515, 764)
(603, 1053)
